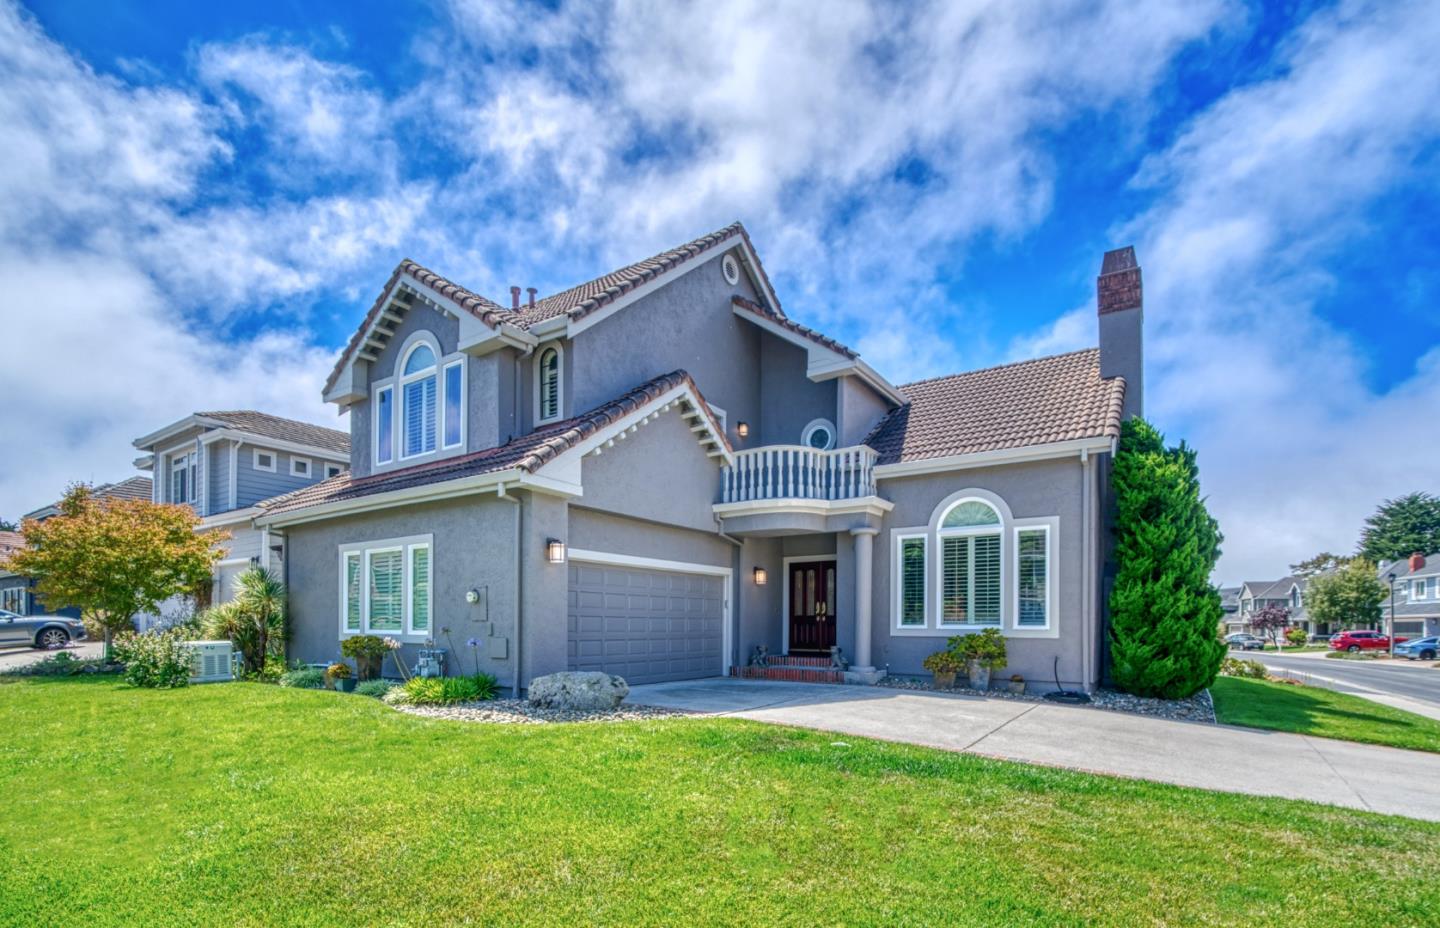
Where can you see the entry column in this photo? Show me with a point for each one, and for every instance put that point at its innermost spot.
(864, 567)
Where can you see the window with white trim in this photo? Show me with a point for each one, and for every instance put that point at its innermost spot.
(453, 429)
(12, 598)
(264, 460)
(1032, 577)
(547, 385)
(184, 475)
(299, 467)
(971, 574)
(1418, 589)
(384, 425)
(910, 581)
(419, 387)
(334, 470)
(386, 588)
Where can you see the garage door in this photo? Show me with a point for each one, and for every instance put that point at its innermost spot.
(648, 626)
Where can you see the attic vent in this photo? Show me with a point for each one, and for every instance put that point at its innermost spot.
(730, 269)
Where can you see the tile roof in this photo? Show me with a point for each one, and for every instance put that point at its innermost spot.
(129, 488)
(527, 453)
(268, 426)
(576, 302)
(10, 542)
(792, 326)
(1037, 402)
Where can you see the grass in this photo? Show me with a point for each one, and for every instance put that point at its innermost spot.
(1311, 710)
(244, 804)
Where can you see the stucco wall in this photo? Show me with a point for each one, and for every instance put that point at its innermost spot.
(659, 473)
(860, 408)
(789, 401)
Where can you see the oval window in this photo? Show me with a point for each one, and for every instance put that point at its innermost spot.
(819, 435)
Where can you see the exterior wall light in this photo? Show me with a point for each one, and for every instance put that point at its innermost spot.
(555, 551)
(761, 577)
(742, 429)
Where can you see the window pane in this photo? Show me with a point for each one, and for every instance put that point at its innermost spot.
(420, 589)
(384, 425)
(969, 514)
(352, 592)
(912, 581)
(985, 600)
(1033, 568)
(420, 416)
(955, 591)
(420, 359)
(550, 384)
(387, 596)
(452, 405)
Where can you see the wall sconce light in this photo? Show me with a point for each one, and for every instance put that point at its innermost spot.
(472, 597)
(761, 577)
(742, 429)
(555, 551)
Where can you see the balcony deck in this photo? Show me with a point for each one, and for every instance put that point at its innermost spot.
(795, 472)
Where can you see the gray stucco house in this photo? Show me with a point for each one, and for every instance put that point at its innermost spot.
(1416, 586)
(223, 463)
(659, 471)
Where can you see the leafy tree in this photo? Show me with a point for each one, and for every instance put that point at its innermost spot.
(1401, 527)
(1163, 609)
(1348, 598)
(1270, 622)
(115, 558)
(7, 526)
(1322, 563)
(255, 620)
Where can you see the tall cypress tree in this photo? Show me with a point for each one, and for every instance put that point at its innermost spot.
(1163, 608)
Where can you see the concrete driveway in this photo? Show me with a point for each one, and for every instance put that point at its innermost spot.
(1217, 757)
(10, 658)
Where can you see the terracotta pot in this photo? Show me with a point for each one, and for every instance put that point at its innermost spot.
(944, 679)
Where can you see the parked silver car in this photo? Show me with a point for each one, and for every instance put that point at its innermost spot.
(38, 631)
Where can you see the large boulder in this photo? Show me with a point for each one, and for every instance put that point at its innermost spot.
(578, 690)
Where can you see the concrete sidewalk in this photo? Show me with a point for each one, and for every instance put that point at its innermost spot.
(1217, 757)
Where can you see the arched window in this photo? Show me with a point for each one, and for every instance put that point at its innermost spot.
(418, 401)
(971, 581)
(547, 389)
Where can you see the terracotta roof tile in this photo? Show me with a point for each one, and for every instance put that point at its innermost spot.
(129, 488)
(527, 453)
(786, 323)
(1046, 400)
(10, 542)
(268, 426)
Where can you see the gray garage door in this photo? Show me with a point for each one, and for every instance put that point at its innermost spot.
(647, 626)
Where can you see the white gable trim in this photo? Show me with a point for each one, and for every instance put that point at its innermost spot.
(823, 363)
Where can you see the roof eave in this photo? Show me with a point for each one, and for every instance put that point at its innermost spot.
(1078, 447)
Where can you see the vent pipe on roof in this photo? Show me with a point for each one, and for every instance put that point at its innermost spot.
(515, 298)
(530, 292)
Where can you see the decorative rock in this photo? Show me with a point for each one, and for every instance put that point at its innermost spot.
(578, 690)
(520, 712)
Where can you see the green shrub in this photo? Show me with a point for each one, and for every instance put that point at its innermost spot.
(395, 696)
(440, 691)
(375, 689)
(63, 664)
(306, 678)
(1297, 636)
(1235, 667)
(155, 661)
(987, 647)
(946, 661)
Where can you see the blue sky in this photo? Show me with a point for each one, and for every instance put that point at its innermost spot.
(199, 201)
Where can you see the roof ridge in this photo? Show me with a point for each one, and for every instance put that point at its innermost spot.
(997, 367)
(725, 231)
(271, 415)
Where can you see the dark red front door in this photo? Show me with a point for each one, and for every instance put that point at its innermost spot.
(812, 606)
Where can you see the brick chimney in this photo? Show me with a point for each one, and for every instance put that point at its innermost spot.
(1417, 561)
(1120, 301)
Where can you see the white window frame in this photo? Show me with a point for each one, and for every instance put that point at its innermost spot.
(309, 467)
(1050, 599)
(559, 350)
(366, 550)
(375, 394)
(1420, 589)
(333, 470)
(898, 583)
(816, 425)
(255, 459)
(402, 380)
(941, 534)
(345, 557)
(444, 395)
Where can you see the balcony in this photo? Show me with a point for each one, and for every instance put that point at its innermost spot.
(795, 472)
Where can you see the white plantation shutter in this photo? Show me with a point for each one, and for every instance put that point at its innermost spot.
(420, 416)
(420, 588)
(912, 581)
(955, 562)
(550, 384)
(970, 579)
(986, 579)
(387, 593)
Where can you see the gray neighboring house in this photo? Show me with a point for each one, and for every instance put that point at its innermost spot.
(1287, 592)
(223, 463)
(657, 472)
(1417, 596)
(17, 592)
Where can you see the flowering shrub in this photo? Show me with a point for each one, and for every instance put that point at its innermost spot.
(156, 661)
(1235, 667)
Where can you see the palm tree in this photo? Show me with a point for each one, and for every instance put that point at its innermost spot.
(255, 620)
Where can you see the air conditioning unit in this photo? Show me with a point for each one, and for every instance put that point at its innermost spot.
(210, 662)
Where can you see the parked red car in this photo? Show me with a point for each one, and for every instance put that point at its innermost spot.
(1362, 641)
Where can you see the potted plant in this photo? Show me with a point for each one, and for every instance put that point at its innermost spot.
(339, 676)
(944, 665)
(983, 653)
(368, 651)
(1017, 684)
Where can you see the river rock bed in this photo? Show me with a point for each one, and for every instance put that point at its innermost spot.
(1197, 708)
(520, 712)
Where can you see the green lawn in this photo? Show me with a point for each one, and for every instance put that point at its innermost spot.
(244, 804)
(1311, 710)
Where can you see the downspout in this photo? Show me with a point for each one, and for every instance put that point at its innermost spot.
(1086, 578)
(737, 599)
(519, 590)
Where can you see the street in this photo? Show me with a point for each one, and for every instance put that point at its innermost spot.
(1417, 680)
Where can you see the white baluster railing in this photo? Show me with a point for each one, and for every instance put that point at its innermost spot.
(798, 472)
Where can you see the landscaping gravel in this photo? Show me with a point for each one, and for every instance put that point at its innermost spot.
(520, 712)
(1197, 708)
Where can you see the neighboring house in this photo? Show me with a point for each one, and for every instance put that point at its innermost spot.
(224, 463)
(1230, 606)
(1417, 595)
(17, 593)
(656, 472)
(1287, 592)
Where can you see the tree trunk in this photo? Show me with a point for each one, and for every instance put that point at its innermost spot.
(107, 636)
